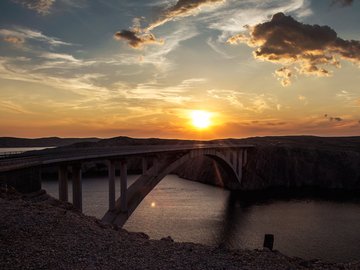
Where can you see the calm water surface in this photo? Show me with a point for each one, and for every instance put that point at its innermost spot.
(194, 212)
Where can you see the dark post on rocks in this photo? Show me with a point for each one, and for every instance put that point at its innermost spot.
(268, 241)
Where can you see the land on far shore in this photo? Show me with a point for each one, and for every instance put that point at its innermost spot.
(351, 142)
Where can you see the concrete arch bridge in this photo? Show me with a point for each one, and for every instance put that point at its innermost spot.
(157, 162)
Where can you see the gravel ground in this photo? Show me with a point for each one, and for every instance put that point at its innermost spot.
(39, 232)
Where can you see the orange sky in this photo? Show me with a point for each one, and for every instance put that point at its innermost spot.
(140, 69)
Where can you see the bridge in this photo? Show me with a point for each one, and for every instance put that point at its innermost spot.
(157, 162)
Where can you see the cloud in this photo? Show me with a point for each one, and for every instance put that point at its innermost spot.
(343, 3)
(175, 94)
(136, 39)
(310, 48)
(23, 34)
(246, 102)
(232, 16)
(303, 99)
(183, 8)
(284, 74)
(332, 119)
(40, 6)
(14, 40)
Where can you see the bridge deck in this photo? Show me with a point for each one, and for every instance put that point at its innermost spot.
(72, 155)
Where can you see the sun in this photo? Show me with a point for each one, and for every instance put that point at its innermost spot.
(201, 119)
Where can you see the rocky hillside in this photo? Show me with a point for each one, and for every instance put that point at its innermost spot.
(39, 232)
(288, 162)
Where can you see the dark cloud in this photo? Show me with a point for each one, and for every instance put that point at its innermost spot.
(136, 39)
(331, 119)
(40, 6)
(338, 119)
(308, 49)
(343, 3)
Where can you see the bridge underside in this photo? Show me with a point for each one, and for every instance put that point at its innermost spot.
(163, 160)
(125, 205)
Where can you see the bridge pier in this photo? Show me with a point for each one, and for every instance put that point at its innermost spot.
(227, 156)
(245, 157)
(77, 188)
(155, 166)
(239, 164)
(111, 172)
(63, 183)
(123, 185)
(144, 166)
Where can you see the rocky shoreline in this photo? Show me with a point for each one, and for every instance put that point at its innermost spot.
(40, 232)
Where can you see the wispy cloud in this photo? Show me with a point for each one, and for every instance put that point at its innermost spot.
(310, 48)
(12, 107)
(40, 6)
(250, 102)
(12, 69)
(177, 94)
(45, 7)
(137, 37)
(234, 15)
(183, 8)
(23, 34)
(14, 40)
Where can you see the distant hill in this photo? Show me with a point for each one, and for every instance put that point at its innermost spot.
(42, 142)
(123, 140)
(310, 142)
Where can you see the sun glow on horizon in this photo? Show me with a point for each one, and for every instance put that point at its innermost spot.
(201, 119)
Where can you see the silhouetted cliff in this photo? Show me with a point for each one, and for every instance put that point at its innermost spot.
(288, 162)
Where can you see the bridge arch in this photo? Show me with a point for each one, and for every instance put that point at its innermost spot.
(232, 162)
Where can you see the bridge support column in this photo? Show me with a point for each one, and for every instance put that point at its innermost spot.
(63, 183)
(144, 165)
(155, 165)
(111, 171)
(123, 185)
(228, 155)
(245, 156)
(240, 164)
(77, 188)
(234, 159)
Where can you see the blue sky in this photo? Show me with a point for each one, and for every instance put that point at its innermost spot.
(68, 68)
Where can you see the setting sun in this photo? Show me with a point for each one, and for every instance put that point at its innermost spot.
(201, 119)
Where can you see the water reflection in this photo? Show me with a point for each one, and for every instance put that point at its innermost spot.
(234, 215)
(193, 212)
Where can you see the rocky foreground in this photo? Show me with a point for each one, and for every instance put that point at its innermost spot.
(39, 232)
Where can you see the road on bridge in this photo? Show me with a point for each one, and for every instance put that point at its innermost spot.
(65, 154)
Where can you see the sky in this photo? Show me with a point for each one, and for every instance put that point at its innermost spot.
(139, 68)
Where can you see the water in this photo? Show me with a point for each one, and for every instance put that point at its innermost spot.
(194, 212)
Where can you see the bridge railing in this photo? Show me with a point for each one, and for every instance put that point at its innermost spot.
(9, 154)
